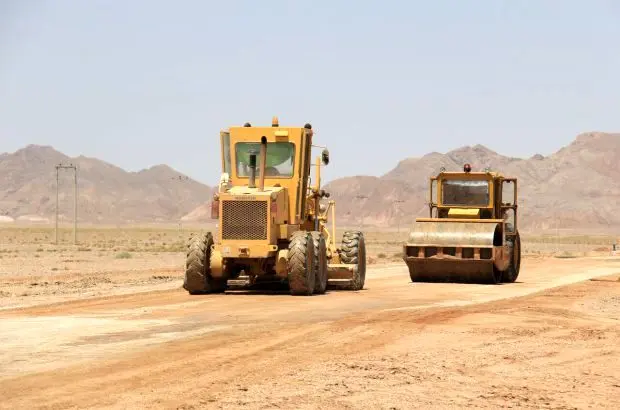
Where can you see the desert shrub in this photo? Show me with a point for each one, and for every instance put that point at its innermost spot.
(123, 255)
(565, 255)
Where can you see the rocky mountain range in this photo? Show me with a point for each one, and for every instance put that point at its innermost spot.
(107, 193)
(577, 186)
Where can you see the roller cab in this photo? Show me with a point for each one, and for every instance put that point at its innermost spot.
(471, 234)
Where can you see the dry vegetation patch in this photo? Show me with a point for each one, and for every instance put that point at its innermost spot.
(107, 259)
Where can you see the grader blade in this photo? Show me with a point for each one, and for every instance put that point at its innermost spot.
(340, 271)
(342, 276)
(456, 251)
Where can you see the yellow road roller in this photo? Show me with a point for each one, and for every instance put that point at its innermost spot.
(471, 235)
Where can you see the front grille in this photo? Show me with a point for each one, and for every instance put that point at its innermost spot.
(244, 220)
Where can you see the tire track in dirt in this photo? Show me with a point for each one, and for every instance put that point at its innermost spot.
(281, 346)
(233, 364)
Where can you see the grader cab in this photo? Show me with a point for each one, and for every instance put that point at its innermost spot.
(272, 223)
(471, 235)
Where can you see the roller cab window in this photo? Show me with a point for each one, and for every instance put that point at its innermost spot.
(280, 161)
(465, 193)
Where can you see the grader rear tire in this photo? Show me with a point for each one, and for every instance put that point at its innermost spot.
(354, 253)
(197, 279)
(320, 262)
(301, 272)
(511, 274)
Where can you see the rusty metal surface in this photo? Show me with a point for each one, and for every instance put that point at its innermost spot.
(451, 270)
(454, 234)
(340, 271)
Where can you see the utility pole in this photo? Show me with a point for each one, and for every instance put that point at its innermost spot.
(180, 178)
(75, 205)
(557, 232)
(75, 200)
(360, 196)
(56, 229)
(398, 201)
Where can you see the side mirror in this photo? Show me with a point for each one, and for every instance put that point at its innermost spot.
(325, 156)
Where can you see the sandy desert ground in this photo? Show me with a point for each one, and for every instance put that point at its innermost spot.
(105, 324)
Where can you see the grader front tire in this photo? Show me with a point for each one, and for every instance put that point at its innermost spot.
(301, 272)
(197, 279)
(354, 253)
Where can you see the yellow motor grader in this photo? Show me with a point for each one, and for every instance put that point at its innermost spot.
(471, 235)
(272, 223)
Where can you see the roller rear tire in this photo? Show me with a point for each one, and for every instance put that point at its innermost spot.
(511, 274)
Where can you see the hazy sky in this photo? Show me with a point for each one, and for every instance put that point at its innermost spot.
(138, 83)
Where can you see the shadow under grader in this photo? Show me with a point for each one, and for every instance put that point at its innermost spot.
(258, 289)
(243, 287)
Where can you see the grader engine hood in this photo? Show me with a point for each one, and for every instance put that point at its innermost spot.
(248, 219)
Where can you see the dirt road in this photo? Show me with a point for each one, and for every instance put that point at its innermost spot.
(549, 341)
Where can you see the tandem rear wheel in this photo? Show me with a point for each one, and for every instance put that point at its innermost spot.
(354, 253)
(198, 279)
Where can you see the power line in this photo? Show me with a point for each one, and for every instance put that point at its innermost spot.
(361, 196)
(398, 201)
(75, 200)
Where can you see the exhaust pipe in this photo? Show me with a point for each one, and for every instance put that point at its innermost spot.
(263, 161)
(252, 182)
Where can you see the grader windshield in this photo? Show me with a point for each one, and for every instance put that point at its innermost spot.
(465, 192)
(280, 162)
